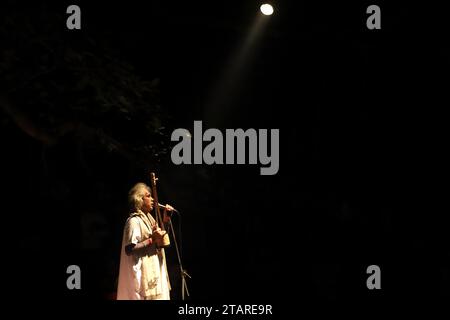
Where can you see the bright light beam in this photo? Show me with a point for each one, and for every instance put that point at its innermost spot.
(219, 103)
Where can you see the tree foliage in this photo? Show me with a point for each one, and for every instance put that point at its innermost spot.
(55, 84)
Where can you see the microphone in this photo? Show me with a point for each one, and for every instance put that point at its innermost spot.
(163, 207)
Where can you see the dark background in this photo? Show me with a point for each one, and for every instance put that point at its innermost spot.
(362, 144)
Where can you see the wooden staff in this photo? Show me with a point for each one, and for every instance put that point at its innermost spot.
(159, 220)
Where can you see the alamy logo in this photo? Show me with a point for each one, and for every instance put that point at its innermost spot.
(374, 281)
(213, 153)
(74, 280)
(74, 20)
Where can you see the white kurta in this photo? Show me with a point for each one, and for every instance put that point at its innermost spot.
(130, 286)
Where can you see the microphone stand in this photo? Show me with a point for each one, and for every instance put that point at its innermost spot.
(183, 272)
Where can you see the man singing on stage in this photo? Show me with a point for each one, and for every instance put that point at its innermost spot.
(143, 271)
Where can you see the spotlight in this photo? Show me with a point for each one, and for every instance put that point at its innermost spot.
(266, 9)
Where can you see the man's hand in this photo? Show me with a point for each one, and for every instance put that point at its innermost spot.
(168, 210)
(158, 234)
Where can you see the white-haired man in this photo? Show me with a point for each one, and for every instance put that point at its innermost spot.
(143, 271)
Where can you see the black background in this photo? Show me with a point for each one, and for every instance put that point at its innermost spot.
(362, 144)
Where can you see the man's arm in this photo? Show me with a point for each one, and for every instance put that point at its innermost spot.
(141, 246)
(138, 247)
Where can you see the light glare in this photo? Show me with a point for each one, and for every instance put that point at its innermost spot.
(266, 9)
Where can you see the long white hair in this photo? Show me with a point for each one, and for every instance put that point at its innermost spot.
(136, 194)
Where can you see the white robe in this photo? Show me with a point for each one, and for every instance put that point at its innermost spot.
(131, 266)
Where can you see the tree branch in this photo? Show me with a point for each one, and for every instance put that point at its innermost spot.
(25, 123)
